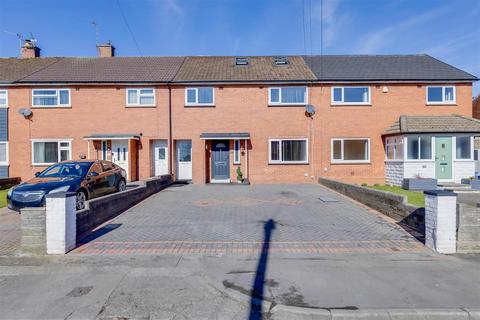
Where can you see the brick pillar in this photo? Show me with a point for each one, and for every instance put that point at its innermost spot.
(441, 221)
(61, 222)
(33, 231)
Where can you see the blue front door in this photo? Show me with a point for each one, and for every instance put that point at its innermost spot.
(220, 160)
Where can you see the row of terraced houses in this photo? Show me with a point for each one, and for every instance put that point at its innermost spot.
(288, 119)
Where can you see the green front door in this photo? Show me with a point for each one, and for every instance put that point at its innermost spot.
(443, 158)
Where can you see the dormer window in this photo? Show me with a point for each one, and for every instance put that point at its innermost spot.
(241, 61)
(280, 61)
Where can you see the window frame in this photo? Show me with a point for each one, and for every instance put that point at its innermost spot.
(280, 103)
(58, 141)
(197, 104)
(472, 149)
(342, 103)
(236, 151)
(342, 161)
(432, 148)
(280, 161)
(58, 105)
(394, 142)
(138, 104)
(6, 98)
(7, 161)
(443, 102)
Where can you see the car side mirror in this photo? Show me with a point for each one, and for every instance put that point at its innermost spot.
(93, 174)
(37, 174)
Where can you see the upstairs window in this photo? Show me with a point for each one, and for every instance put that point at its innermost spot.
(201, 96)
(288, 151)
(350, 95)
(3, 98)
(141, 97)
(51, 97)
(287, 96)
(441, 95)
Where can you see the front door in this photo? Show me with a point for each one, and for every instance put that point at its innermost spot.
(220, 161)
(160, 156)
(184, 160)
(120, 154)
(443, 158)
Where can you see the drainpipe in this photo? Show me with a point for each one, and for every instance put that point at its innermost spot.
(170, 139)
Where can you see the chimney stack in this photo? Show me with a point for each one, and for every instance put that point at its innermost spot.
(105, 50)
(29, 50)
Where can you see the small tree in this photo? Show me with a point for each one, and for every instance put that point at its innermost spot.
(239, 174)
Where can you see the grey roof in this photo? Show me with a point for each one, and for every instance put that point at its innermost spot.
(114, 69)
(100, 136)
(259, 68)
(14, 69)
(228, 135)
(384, 67)
(434, 124)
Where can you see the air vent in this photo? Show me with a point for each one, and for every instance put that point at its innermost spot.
(241, 61)
(280, 61)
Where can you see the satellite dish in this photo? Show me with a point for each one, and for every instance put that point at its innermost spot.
(27, 113)
(309, 110)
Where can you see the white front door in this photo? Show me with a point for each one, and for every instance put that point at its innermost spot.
(160, 157)
(184, 160)
(120, 154)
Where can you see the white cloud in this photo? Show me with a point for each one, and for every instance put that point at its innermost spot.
(333, 20)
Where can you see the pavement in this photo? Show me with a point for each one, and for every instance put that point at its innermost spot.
(306, 253)
(9, 231)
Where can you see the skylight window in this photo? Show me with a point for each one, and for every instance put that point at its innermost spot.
(279, 61)
(241, 61)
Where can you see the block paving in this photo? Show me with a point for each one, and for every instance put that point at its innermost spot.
(9, 231)
(218, 219)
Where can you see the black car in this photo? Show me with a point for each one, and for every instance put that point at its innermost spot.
(87, 178)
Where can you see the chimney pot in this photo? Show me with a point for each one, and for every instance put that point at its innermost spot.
(29, 50)
(105, 50)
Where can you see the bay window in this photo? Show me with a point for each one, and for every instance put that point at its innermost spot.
(288, 151)
(47, 152)
(51, 97)
(419, 148)
(351, 150)
(394, 148)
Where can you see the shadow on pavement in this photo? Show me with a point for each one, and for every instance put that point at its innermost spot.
(257, 297)
(98, 233)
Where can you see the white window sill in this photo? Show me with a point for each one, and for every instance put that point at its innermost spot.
(350, 162)
(53, 107)
(6, 164)
(357, 104)
(140, 105)
(463, 160)
(287, 104)
(288, 162)
(394, 160)
(3, 107)
(420, 160)
(200, 105)
(441, 103)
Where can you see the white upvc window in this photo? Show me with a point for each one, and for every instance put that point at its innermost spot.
(49, 151)
(288, 95)
(441, 95)
(288, 151)
(350, 96)
(3, 98)
(201, 96)
(141, 97)
(394, 148)
(350, 150)
(464, 148)
(419, 148)
(51, 98)
(4, 153)
(236, 151)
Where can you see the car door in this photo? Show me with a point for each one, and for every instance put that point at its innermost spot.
(110, 177)
(96, 182)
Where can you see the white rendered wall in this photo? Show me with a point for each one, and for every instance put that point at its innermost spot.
(61, 227)
(441, 223)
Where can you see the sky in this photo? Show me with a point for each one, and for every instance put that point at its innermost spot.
(446, 29)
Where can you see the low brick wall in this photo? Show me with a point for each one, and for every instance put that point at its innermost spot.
(6, 183)
(105, 208)
(34, 241)
(390, 204)
(468, 228)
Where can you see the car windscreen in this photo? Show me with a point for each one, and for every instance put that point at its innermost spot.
(75, 169)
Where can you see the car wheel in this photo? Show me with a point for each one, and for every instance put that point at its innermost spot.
(81, 198)
(122, 186)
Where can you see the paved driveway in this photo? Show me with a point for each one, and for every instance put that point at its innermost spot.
(216, 219)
